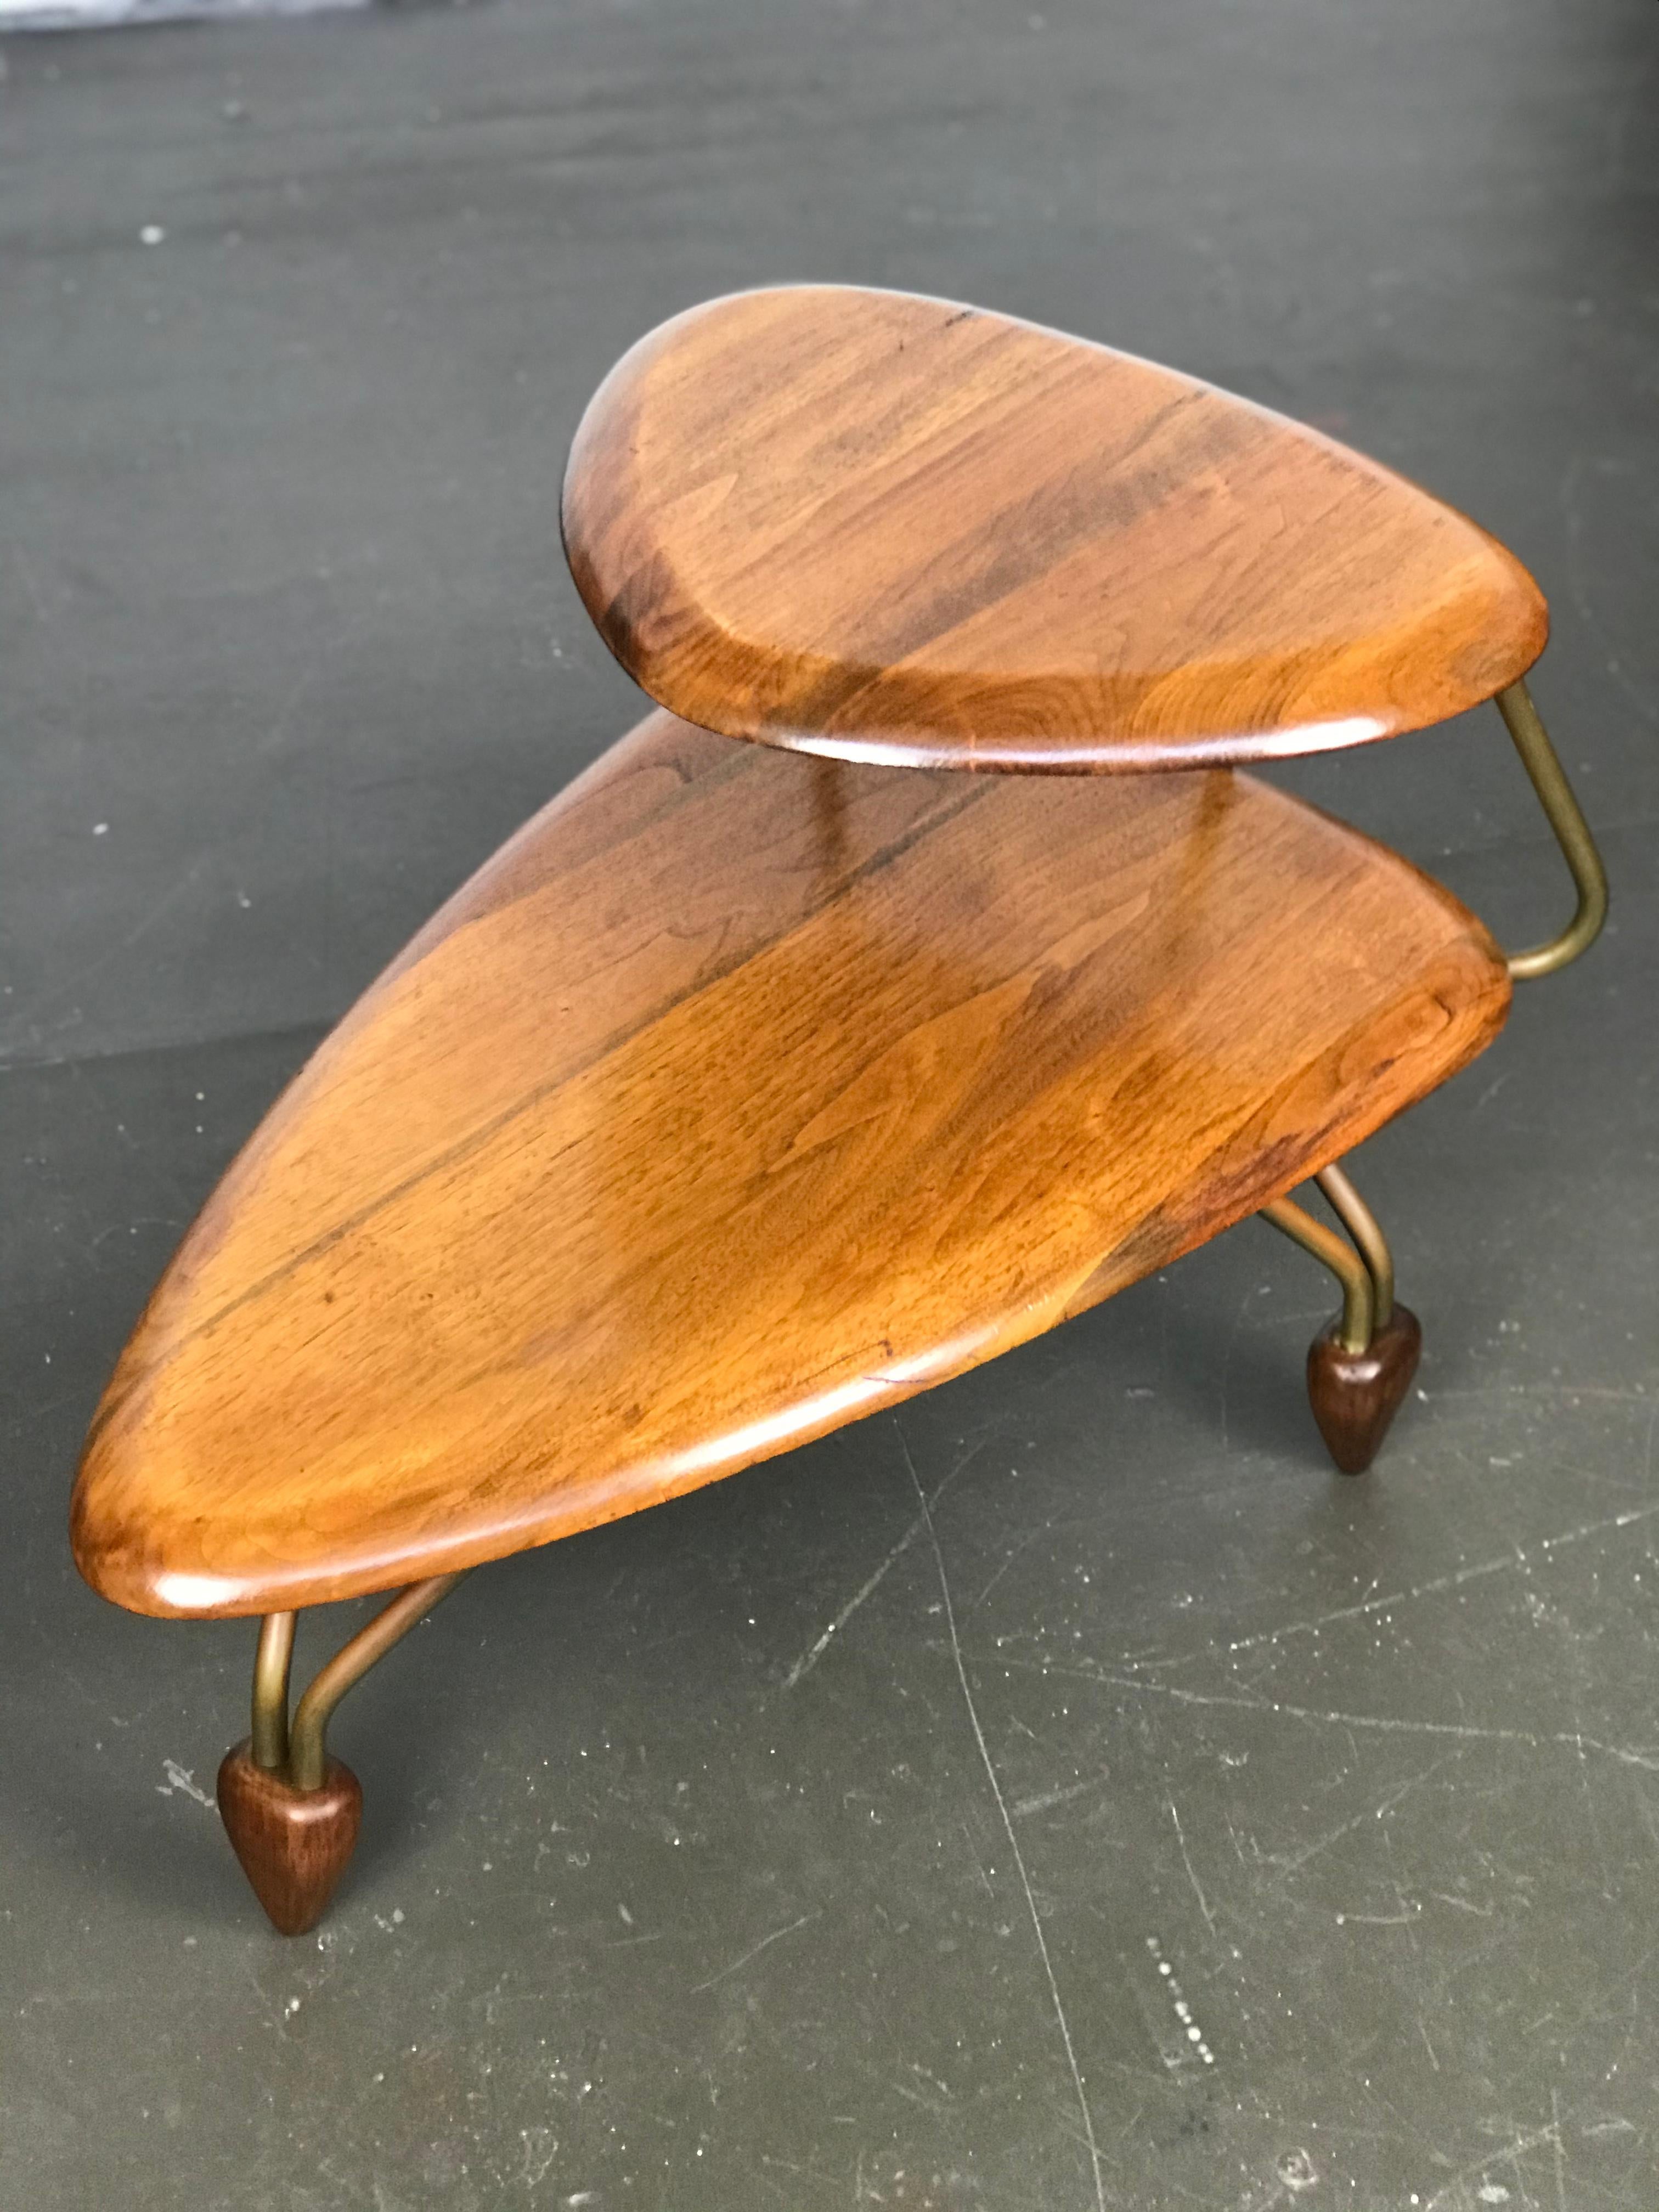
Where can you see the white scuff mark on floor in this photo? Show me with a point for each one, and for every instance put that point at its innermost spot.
(1184, 2012)
(1447, 2198)
(183, 1780)
(541, 2148)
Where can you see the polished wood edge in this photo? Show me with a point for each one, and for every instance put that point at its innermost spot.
(911, 748)
(594, 1505)
(1093, 756)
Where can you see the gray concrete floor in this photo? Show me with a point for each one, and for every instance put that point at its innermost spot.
(667, 1897)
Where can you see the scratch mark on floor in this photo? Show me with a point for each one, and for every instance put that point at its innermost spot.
(1516, 1557)
(1050, 1798)
(1286, 1868)
(1029, 1537)
(121, 940)
(1008, 1828)
(1227, 1361)
(1382, 1723)
(754, 1951)
(807, 2172)
(1186, 1860)
(918, 2097)
(1549, 1389)
(1492, 1090)
(979, 1867)
(1368, 1605)
(810, 1657)
(1450, 2192)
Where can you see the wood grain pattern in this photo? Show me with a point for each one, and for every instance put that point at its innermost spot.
(739, 1095)
(889, 529)
(294, 1844)
(1356, 1394)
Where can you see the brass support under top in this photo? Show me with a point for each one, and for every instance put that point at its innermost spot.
(1358, 1293)
(1362, 1224)
(300, 1755)
(308, 1754)
(1565, 817)
(271, 1666)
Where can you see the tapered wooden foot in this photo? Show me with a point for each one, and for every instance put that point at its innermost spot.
(1356, 1394)
(293, 1843)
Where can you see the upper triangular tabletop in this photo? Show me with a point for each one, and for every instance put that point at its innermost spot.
(890, 529)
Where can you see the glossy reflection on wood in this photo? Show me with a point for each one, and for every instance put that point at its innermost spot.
(890, 528)
(739, 1095)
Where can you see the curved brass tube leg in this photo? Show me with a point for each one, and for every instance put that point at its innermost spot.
(308, 1757)
(1358, 1293)
(1364, 1227)
(1572, 833)
(268, 1744)
(292, 1812)
(1360, 1369)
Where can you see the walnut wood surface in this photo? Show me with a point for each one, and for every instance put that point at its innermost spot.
(738, 1095)
(891, 529)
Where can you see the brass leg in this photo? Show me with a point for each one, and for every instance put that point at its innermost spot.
(1358, 1295)
(271, 1662)
(291, 1811)
(1572, 833)
(1362, 1224)
(1361, 1367)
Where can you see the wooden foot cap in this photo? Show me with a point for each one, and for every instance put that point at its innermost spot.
(1356, 1394)
(293, 1843)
